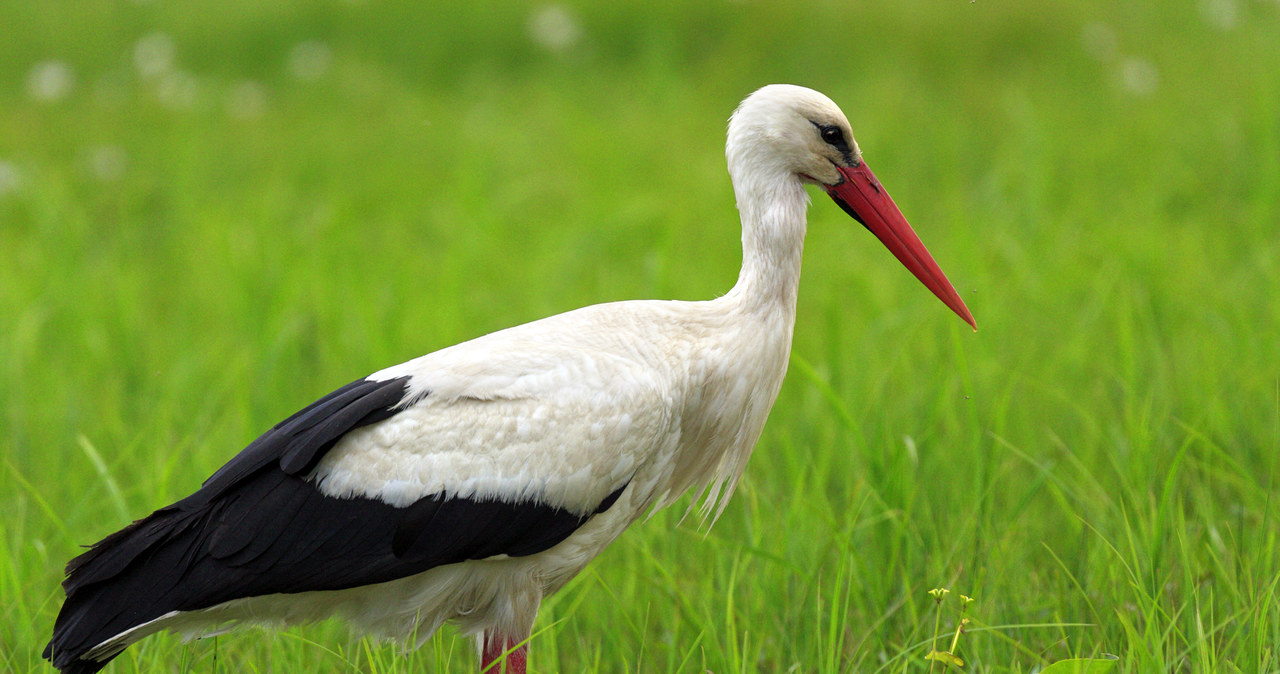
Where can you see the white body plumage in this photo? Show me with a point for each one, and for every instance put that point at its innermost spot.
(563, 410)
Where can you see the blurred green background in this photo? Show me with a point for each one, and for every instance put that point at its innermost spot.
(213, 213)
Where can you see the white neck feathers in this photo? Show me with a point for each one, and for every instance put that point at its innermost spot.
(773, 205)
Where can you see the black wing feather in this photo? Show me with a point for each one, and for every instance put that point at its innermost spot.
(298, 443)
(258, 527)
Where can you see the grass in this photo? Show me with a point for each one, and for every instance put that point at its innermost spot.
(187, 258)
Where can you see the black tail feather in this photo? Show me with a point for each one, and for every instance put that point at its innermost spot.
(121, 582)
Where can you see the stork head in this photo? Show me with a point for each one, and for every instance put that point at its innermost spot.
(788, 132)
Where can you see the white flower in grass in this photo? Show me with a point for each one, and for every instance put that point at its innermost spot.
(1221, 14)
(1138, 76)
(554, 27)
(50, 81)
(10, 178)
(153, 55)
(310, 60)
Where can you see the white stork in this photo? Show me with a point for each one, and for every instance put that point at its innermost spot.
(470, 483)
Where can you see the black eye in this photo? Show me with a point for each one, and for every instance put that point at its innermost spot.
(834, 137)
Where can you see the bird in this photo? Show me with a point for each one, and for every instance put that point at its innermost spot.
(469, 484)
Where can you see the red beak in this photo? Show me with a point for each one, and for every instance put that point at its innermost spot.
(862, 196)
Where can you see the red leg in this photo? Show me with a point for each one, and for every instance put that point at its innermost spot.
(495, 647)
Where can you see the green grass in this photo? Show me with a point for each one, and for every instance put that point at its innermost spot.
(1097, 466)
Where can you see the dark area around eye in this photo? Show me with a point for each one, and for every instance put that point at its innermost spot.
(833, 136)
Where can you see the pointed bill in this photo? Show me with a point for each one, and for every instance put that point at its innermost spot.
(862, 196)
